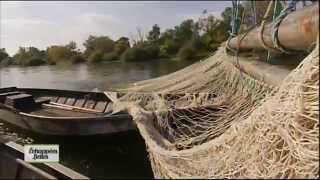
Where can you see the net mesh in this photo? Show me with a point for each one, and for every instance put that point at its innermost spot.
(214, 120)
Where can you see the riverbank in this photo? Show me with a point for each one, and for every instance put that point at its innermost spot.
(68, 63)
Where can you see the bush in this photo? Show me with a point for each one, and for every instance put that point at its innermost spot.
(95, 57)
(132, 54)
(171, 47)
(188, 51)
(8, 61)
(51, 62)
(140, 53)
(152, 51)
(111, 56)
(163, 51)
(33, 61)
(77, 59)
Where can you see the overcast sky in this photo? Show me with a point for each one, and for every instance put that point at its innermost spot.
(45, 23)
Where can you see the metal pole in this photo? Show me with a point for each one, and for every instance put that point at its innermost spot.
(298, 31)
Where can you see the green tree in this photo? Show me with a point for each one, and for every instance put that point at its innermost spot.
(214, 31)
(173, 39)
(58, 54)
(111, 56)
(167, 43)
(98, 43)
(185, 31)
(143, 51)
(121, 45)
(227, 15)
(154, 34)
(29, 56)
(96, 56)
(66, 53)
(72, 46)
(3, 54)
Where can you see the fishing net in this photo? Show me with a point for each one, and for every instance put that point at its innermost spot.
(215, 120)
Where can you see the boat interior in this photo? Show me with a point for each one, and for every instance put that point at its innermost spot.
(55, 103)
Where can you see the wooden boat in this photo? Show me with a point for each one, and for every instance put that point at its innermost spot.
(12, 166)
(61, 112)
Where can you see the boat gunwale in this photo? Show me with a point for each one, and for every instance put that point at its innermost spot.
(59, 90)
(96, 118)
(66, 93)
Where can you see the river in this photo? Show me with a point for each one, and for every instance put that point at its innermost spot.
(87, 77)
(117, 156)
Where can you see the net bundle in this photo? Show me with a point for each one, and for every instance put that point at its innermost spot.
(214, 120)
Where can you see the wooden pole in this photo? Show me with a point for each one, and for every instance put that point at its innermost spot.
(298, 31)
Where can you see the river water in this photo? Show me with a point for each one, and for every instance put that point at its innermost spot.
(122, 155)
(87, 77)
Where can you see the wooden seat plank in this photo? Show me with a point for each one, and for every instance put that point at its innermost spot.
(101, 105)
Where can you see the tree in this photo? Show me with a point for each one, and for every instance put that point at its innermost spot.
(168, 44)
(227, 15)
(137, 38)
(29, 56)
(3, 54)
(143, 51)
(214, 31)
(140, 35)
(208, 24)
(168, 47)
(58, 54)
(185, 31)
(98, 43)
(173, 39)
(154, 34)
(96, 56)
(66, 53)
(72, 46)
(121, 45)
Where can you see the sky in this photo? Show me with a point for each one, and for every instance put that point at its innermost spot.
(45, 23)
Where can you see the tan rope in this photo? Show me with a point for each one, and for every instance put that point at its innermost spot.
(265, 17)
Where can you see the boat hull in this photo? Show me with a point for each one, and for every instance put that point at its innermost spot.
(69, 126)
